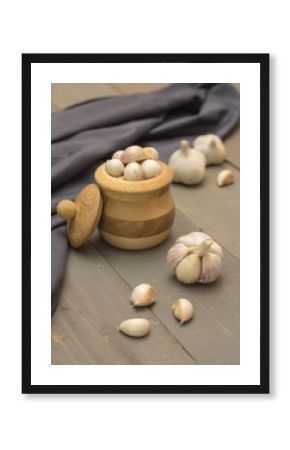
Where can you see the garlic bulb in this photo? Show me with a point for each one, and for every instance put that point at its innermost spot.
(151, 153)
(132, 153)
(188, 165)
(114, 167)
(195, 257)
(135, 327)
(118, 154)
(182, 310)
(151, 168)
(211, 146)
(225, 177)
(143, 295)
(133, 172)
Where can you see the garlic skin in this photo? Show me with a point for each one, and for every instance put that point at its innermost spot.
(143, 295)
(183, 310)
(118, 154)
(114, 167)
(195, 258)
(133, 172)
(151, 153)
(212, 147)
(132, 153)
(188, 165)
(151, 168)
(225, 177)
(135, 327)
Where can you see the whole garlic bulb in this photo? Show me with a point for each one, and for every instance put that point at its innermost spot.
(182, 310)
(195, 257)
(212, 147)
(151, 168)
(133, 172)
(143, 295)
(188, 165)
(114, 167)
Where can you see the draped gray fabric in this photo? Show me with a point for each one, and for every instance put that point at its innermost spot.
(86, 134)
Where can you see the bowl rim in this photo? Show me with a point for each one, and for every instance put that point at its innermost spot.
(107, 182)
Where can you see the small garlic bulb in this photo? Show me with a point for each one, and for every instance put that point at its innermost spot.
(118, 154)
(143, 295)
(195, 257)
(212, 147)
(188, 165)
(183, 310)
(114, 167)
(135, 327)
(151, 168)
(133, 172)
(225, 177)
(151, 153)
(132, 153)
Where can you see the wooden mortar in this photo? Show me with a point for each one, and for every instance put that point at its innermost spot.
(136, 214)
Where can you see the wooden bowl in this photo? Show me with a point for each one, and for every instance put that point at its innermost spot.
(136, 214)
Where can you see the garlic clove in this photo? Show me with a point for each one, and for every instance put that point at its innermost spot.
(225, 177)
(151, 153)
(175, 254)
(118, 154)
(132, 153)
(114, 167)
(143, 295)
(183, 310)
(188, 270)
(135, 327)
(212, 147)
(211, 267)
(151, 168)
(133, 172)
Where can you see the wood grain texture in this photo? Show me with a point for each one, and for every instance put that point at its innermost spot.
(94, 301)
(132, 216)
(96, 289)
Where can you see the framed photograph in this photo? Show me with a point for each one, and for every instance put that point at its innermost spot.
(145, 224)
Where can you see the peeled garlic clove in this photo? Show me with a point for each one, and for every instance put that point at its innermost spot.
(211, 267)
(183, 310)
(151, 168)
(133, 172)
(225, 177)
(135, 327)
(115, 167)
(176, 254)
(212, 147)
(188, 270)
(132, 153)
(118, 154)
(151, 153)
(143, 295)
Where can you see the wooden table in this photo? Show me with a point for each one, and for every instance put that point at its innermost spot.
(99, 278)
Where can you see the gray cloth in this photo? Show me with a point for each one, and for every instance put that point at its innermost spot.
(86, 134)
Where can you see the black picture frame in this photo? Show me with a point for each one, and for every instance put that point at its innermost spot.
(263, 61)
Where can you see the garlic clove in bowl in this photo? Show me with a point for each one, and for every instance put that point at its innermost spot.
(114, 167)
(151, 168)
(133, 172)
(132, 153)
(151, 153)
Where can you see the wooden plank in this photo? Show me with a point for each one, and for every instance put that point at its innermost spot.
(216, 210)
(213, 336)
(67, 94)
(93, 302)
